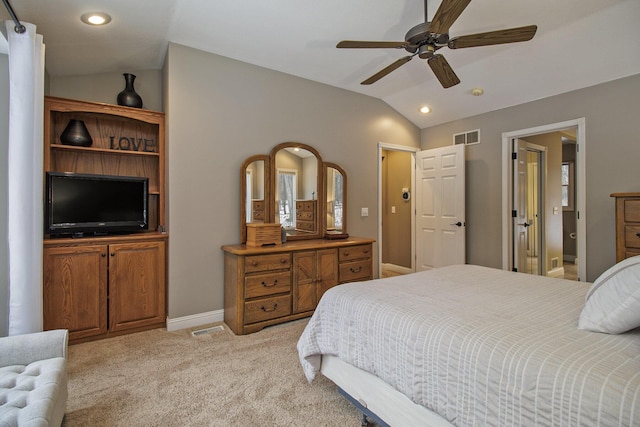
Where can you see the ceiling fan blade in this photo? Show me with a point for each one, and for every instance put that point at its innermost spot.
(380, 74)
(511, 35)
(352, 44)
(446, 15)
(443, 71)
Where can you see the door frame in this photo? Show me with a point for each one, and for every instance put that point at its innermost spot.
(541, 178)
(580, 193)
(412, 150)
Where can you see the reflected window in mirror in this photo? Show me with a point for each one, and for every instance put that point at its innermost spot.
(334, 200)
(296, 190)
(287, 191)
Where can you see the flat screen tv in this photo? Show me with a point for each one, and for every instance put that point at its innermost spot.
(84, 204)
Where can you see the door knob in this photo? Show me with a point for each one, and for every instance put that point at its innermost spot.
(459, 224)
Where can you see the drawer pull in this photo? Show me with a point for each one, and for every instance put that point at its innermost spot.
(269, 285)
(254, 263)
(638, 234)
(353, 270)
(346, 253)
(283, 260)
(267, 310)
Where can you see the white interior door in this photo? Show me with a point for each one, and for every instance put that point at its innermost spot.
(440, 207)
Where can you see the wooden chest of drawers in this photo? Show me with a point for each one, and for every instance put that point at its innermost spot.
(269, 285)
(306, 215)
(627, 225)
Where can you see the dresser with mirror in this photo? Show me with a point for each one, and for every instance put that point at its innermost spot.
(304, 198)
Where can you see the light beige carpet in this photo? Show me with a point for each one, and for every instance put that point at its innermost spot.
(160, 378)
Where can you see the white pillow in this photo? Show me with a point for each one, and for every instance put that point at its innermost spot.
(613, 303)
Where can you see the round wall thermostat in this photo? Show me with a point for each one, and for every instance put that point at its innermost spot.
(406, 195)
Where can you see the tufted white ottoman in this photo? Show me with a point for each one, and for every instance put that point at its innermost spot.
(33, 379)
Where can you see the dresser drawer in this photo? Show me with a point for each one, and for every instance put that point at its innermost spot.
(267, 284)
(355, 252)
(305, 205)
(266, 309)
(355, 270)
(632, 236)
(305, 226)
(632, 210)
(267, 262)
(304, 215)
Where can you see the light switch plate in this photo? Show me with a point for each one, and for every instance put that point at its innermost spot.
(364, 212)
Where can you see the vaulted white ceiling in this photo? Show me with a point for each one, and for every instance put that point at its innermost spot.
(579, 43)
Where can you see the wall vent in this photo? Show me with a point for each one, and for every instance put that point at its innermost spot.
(207, 331)
(467, 138)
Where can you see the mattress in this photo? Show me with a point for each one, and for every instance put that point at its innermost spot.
(481, 346)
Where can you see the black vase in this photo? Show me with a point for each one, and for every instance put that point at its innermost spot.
(128, 97)
(76, 133)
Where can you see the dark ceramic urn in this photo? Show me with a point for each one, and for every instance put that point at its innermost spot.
(76, 133)
(128, 97)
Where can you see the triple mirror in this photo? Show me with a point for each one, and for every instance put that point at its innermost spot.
(293, 187)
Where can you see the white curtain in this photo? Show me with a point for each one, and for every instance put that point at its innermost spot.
(25, 204)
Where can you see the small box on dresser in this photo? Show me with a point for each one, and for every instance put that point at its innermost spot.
(261, 234)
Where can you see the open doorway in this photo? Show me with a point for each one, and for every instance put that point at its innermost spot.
(561, 251)
(396, 226)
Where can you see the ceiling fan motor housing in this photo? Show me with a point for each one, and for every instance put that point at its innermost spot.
(420, 35)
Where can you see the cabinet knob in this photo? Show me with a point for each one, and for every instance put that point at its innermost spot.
(353, 270)
(113, 254)
(254, 263)
(346, 253)
(283, 261)
(103, 255)
(638, 234)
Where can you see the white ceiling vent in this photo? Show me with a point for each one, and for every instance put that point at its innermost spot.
(470, 137)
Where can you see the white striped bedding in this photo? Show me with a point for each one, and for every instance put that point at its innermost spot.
(481, 346)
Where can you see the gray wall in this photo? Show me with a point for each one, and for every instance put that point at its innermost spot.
(221, 111)
(4, 143)
(396, 233)
(611, 114)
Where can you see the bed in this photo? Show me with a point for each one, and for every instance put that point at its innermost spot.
(467, 345)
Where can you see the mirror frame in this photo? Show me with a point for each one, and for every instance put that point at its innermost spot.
(325, 169)
(320, 211)
(269, 193)
(243, 191)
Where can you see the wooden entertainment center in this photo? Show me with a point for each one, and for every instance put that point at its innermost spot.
(100, 286)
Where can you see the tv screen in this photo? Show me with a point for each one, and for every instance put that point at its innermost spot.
(79, 204)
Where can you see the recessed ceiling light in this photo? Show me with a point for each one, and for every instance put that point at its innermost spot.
(425, 110)
(95, 18)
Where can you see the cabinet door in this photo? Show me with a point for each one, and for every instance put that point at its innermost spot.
(313, 273)
(75, 290)
(136, 285)
(327, 270)
(305, 296)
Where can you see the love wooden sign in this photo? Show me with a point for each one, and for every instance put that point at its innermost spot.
(133, 144)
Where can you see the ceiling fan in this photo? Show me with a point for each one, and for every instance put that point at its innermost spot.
(426, 38)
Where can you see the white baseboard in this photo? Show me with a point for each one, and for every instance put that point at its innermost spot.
(556, 272)
(396, 268)
(195, 320)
